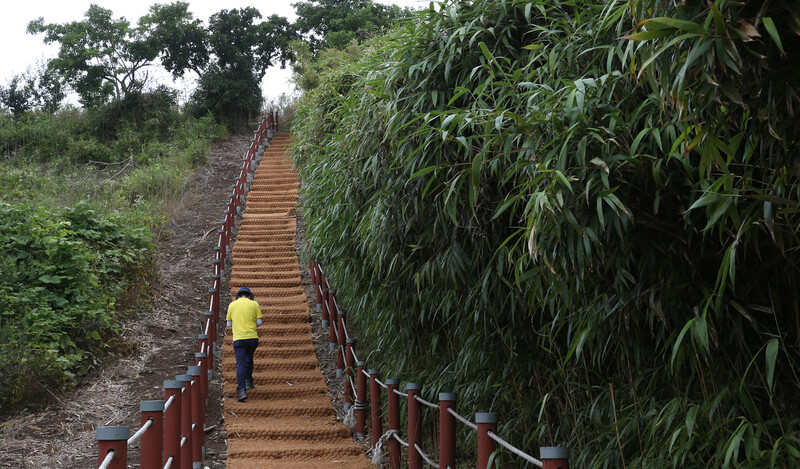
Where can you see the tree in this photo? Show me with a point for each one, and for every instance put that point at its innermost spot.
(18, 96)
(34, 89)
(180, 39)
(100, 57)
(334, 23)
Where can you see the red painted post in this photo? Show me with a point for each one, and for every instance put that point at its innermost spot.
(208, 319)
(198, 415)
(323, 285)
(361, 399)
(220, 254)
(208, 349)
(202, 358)
(393, 405)
(340, 342)
(172, 422)
(447, 431)
(312, 272)
(487, 422)
(113, 439)
(554, 457)
(333, 317)
(151, 443)
(376, 428)
(320, 308)
(215, 266)
(348, 372)
(414, 427)
(186, 421)
(213, 301)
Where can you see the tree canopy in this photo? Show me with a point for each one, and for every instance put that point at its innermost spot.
(100, 56)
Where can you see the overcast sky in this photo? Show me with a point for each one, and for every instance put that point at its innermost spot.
(19, 50)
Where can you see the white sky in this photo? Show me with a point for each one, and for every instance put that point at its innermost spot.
(19, 50)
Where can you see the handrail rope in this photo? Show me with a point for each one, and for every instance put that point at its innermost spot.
(381, 384)
(183, 441)
(400, 440)
(355, 358)
(169, 401)
(208, 326)
(169, 462)
(107, 461)
(514, 449)
(344, 353)
(203, 347)
(365, 372)
(423, 401)
(425, 456)
(462, 419)
(353, 386)
(344, 326)
(141, 431)
(399, 392)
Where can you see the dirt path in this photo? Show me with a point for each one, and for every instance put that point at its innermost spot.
(160, 339)
(288, 420)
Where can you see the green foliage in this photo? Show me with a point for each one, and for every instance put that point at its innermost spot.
(335, 23)
(587, 228)
(100, 57)
(61, 273)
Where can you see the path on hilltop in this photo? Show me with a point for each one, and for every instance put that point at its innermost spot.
(288, 421)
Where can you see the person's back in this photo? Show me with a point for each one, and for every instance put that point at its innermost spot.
(244, 316)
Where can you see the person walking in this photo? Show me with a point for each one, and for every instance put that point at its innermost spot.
(244, 315)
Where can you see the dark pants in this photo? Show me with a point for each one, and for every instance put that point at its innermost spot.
(244, 350)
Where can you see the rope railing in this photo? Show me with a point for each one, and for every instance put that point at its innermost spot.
(358, 380)
(174, 428)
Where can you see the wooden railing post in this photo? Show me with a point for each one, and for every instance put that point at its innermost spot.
(414, 427)
(113, 439)
(186, 421)
(152, 439)
(361, 399)
(554, 457)
(393, 422)
(487, 422)
(198, 415)
(172, 422)
(348, 373)
(333, 317)
(340, 342)
(447, 431)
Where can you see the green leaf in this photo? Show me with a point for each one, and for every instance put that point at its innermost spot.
(773, 32)
(649, 35)
(688, 26)
(477, 162)
(773, 346)
(51, 279)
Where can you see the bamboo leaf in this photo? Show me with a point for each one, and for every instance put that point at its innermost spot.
(773, 346)
(773, 32)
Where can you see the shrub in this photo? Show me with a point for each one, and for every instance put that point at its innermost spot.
(62, 272)
(593, 236)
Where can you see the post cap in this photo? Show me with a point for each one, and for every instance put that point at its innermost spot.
(351, 341)
(447, 396)
(485, 417)
(200, 355)
(212, 290)
(113, 433)
(332, 291)
(208, 313)
(183, 378)
(173, 384)
(341, 312)
(373, 371)
(151, 406)
(203, 336)
(194, 370)
(413, 387)
(554, 452)
(215, 276)
(392, 382)
(361, 363)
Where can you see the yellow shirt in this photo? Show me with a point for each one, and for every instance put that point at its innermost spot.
(243, 314)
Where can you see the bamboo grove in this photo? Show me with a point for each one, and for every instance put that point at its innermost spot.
(580, 214)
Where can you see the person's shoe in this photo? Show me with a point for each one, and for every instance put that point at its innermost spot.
(242, 396)
(248, 385)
